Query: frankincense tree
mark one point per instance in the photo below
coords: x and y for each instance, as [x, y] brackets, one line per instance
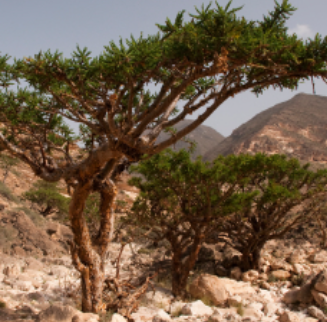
[183, 202]
[196, 65]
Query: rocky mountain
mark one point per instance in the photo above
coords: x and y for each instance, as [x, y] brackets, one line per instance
[297, 127]
[204, 136]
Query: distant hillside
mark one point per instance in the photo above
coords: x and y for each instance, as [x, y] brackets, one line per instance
[205, 137]
[297, 127]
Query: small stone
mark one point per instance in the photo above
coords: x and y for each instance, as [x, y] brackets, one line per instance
[236, 273]
[281, 264]
[250, 276]
[265, 285]
[221, 271]
[281, 274]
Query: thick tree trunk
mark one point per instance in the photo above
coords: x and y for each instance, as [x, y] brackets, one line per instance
[89, 257]
[181, 267]
[179, 276]
[250, 258]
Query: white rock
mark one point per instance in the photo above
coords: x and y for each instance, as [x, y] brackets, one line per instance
[256, 306]
[270, 309]
[144, 314]
[235, 300]
[161, 316]
[197, 308]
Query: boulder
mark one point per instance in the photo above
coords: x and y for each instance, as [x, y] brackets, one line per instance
[210, 287]
[250, 276]
[321, 282]
[197, 308]
[218, 290]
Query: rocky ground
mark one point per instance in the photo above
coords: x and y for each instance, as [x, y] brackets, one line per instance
[39, 283]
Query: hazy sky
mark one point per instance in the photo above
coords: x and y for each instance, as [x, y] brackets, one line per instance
[28, 26]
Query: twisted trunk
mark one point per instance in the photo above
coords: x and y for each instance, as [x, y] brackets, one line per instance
[88, 256]
[181, 267]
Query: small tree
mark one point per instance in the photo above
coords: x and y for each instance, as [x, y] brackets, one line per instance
[6, 163]
[182, 202]
[48, 197]
[286, 194]
[197, 63]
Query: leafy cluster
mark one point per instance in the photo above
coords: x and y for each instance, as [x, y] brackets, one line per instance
[47, 195]
[251, 199]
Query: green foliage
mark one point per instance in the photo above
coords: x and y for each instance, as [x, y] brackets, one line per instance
[278, 186]
[253, 54]
[182, 202]
[2, 304]
[47, 195]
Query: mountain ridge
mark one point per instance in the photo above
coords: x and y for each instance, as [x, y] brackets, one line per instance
[297, 127]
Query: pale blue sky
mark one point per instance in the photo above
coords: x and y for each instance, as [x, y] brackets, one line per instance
[29, 26]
